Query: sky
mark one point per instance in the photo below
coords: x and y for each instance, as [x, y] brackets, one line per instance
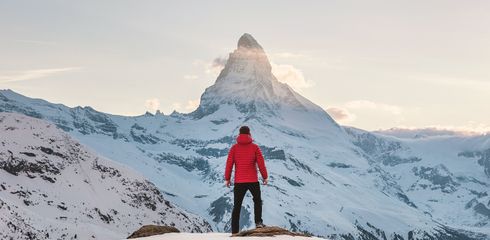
[370, 64]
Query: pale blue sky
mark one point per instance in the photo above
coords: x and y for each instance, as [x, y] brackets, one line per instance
[376, 64]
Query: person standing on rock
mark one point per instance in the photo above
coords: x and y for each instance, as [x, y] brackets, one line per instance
[245, 156]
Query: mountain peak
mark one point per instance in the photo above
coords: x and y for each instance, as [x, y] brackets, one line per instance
[247, 82]
[247, 41]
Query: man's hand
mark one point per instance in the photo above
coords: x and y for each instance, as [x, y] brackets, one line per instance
[265, 181]
[227, 183]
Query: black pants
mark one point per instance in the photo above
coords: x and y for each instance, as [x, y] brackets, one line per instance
[239, 192]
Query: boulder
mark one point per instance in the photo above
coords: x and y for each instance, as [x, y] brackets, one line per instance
[150, 230]
[268, 232]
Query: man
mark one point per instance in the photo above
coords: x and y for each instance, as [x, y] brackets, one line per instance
[245, 156]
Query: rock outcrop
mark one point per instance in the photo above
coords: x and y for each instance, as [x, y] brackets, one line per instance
[150, 230]
[269, 231]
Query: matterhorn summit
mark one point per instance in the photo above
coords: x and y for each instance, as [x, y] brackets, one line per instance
[247, 83]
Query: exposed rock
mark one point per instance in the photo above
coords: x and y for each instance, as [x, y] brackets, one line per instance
[268, 232]
[150, 230]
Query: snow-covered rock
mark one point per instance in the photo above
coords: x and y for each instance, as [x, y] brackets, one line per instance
[324, 179]
[52, 187]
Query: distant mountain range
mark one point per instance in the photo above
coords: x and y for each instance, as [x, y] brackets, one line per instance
[325, 179]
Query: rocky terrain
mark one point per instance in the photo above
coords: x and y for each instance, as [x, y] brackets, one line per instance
[52, 187]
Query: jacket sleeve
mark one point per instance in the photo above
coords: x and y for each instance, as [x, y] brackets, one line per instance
[229, 163]
[261, 163]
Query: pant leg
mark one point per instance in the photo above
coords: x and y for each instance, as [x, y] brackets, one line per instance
[255, 190]
[239, 191]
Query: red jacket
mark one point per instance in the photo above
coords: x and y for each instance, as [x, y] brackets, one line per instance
[245, 155]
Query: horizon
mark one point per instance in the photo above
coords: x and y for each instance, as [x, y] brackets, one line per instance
[130, 67]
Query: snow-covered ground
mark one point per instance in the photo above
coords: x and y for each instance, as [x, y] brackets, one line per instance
[220, 236]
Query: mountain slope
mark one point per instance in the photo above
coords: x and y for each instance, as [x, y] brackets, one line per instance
[441, 175]
[51, 187]
[322, 180]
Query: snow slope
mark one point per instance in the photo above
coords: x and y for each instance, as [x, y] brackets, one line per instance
[324, 179]
[219, 236]
[52, 187]
[445, 176]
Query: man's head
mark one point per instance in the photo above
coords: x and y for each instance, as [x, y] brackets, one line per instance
[244, 130]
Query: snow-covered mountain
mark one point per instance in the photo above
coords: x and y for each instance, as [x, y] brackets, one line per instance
[445, 176]
[325, 179]
[52, 187]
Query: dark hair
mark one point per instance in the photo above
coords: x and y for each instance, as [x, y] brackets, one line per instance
[245, 130]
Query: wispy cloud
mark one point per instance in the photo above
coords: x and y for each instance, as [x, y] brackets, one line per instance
[352, 111]
[341, 115]
[284, 72]
[290, 75]
[15, 76]
[216, 65]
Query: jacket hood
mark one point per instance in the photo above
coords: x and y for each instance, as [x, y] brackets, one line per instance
[244, 139]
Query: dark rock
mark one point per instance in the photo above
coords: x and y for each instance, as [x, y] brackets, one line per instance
[481, 209]
[28, 154]
[52, 152]
[392, 160]
[247, 41]
[220, 121]
[151, 230]
[484, 158]
[373, 145]
[339, 165]
[62, 207]
[139, 134]
[104, 217]
[212, 152]
[439, 176]
[219, 207]
[188, 163]
[268, 232]
[293, 182]
[273, 153]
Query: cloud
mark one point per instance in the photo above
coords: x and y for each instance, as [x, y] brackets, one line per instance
[152, 104]
[191, 77]
[216, 65]
[290, 75]
[15, 76]
[187, 107]
[341, 115]
[365, 104]
[283, 72]
[471, 128]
